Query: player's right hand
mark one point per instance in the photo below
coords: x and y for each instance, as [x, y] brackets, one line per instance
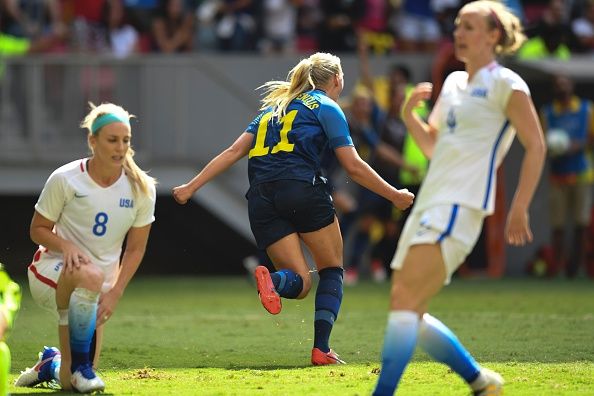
[182, 193]
[403, 199]
[422, 91]
[74, 258]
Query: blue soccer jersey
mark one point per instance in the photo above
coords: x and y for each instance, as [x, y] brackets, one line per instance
[291, 147]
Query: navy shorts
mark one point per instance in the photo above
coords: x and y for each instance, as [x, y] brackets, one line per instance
[283, 207]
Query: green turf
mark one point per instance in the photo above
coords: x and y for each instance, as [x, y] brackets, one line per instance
[210, 336]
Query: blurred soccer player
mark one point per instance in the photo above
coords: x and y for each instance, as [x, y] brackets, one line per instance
[85, 211]
[288, 200]
[10, 299]
[467, 136]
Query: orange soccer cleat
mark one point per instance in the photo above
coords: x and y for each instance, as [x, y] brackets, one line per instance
[319, 358]
[268, 295]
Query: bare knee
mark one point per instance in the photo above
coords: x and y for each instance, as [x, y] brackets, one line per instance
[87, 276]
[306, 277]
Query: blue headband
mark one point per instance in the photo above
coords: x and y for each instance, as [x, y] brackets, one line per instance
[107, 119]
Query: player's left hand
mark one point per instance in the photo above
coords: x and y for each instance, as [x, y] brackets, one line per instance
[182, 193]
[517, 228]
[107, 305]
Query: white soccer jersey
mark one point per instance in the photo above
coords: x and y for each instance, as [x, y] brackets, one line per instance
[95, 218]
[473, 138]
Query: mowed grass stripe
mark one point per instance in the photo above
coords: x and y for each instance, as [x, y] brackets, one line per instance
[210, 336]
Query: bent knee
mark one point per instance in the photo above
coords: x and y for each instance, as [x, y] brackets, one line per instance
[89, 277]
[306, 286]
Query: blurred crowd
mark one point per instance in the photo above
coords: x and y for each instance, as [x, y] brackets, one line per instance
[124, 27]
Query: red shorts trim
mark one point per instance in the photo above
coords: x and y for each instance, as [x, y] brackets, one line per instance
[42, 278]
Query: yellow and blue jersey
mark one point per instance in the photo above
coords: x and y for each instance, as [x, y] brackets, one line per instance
[291, 147]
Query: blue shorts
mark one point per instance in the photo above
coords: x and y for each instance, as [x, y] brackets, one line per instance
[283, 207]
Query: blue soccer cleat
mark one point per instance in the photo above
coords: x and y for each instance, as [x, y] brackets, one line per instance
[84, 379]
[41, 371]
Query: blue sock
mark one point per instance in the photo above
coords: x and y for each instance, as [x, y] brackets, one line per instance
[287, 283]
[399, 345]
[328, 300]
[82, 316]
[443, 345]
[50, 370]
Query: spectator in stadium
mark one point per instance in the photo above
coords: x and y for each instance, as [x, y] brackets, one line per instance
[279, 26]
[309, 17]
[236, 25]
[365, 121]
[38, 21]
[288, 200]
[83, 214]
[123, 39]
[10, 299]
[336, 33]
[466, 138]
[583, 27]
[551, 36]
[88, 30]
[416, 26]
[570, 172]
[173, 28]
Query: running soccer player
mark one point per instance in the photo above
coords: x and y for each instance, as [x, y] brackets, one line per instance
[288, 199]
[467, 136]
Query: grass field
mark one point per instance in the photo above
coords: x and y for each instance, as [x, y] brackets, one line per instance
[210, 336]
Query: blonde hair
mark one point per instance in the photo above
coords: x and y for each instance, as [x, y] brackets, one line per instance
[137, 177]
[500, 17]
[310, 73]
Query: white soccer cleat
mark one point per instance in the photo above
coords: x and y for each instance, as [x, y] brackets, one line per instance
[492, 383]
[40, 372]
[84, 380]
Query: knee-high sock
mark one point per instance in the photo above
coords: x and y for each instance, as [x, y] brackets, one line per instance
[4, 367]
[443, 345]
[328, 300]
[82, 315]
[288, 284]
[399, 345]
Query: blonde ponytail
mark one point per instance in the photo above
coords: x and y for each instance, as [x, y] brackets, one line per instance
[310, 73]
[138, 178]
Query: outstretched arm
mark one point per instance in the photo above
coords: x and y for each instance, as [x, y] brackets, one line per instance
[363, 174]
[522, 115]
[216, 166]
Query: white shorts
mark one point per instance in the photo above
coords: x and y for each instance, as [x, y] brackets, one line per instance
[44, 273]
[455, 228]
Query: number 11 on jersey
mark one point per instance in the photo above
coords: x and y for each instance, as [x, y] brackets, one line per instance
[283, 145]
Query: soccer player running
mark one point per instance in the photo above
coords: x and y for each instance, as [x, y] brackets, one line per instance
[288, 200]
[466, 137]
[10, 300]
[85, 211]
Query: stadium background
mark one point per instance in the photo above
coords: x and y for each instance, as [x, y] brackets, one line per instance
[188, 108]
